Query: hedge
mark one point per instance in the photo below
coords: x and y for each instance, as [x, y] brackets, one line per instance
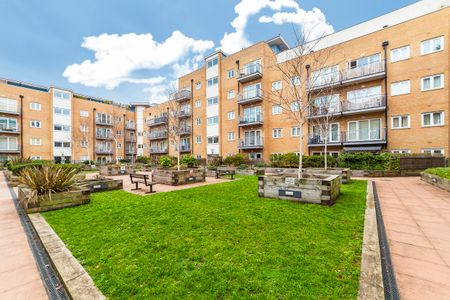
[291, 160]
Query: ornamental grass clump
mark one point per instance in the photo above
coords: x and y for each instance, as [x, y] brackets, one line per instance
[48, 179]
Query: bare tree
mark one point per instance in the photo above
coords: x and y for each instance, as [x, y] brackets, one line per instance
[117, 130]
[174, 127]
[82, 133]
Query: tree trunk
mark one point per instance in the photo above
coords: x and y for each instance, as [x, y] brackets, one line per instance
[300, 162]
[178, 158]
[326, 153]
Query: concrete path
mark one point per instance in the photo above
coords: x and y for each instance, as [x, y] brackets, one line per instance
[19, 276]
[417, 219]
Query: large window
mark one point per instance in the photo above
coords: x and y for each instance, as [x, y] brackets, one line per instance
[61, 95]
[213, 101]
[325, 76]
[253, 138]
[333, 133]
[327, 104]
[251, 91]
[61, 111]
[366, 60]
[213, 139]
[432, 45]
[213, 81]
[400, 88]
[252, 114]
[213, 120]
[400, 122]
[104, 118]
[364, 130]
[59, 127]
[9, 105]
[432, 82]
[400, 53]
[432, 119]
[277, 133]
[212, 62]
[8, 124]
[276, 110]
[9, 143]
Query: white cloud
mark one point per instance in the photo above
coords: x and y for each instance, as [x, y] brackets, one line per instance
[313, 21]
[118, 56]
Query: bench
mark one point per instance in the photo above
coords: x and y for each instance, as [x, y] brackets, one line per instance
[222, 172]
[142, 178]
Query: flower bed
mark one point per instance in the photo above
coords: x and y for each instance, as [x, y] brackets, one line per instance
[320, 189]
[175, 177]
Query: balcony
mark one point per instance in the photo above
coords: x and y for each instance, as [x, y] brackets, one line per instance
[9, 129]
[185, 148]
[251, 120]
[372, 103]
[103, 122]
[317, 140]
[130, 127]
[159, 150]
[251, 143]
[157, 121]
[130, 151]
[184, 113]
[10, 110]
[322, 111]
[324, 81]
[104, 151]
[10, 149]
[369, 72]
[103, 137]
[130, 138]
[185, 130]
[181, 95]
[373, 137]
[250, 96]
[158, 135]
[249, 73]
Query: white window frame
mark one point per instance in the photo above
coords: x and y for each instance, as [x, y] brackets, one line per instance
[212, 121]
[400, 151]
[277, 85]
[432, 119]
[231, 136]
[295, 81]
[400, 122]
[84, 143]
[84, 113]
[432, 40]
[431, 78]
[396, 54]
[277, 109]
[400, 88]
[212, 101]
[35, 124]
[213, 81]
[277, 133]
[432, 151]
[35, 141]
[198, 139]
[198, 121]
[213, 140]
[231, 115]
[230, 73]
[295, 131]
[198, 103]
[230, 94]
[84, 128]
[35, 106]
[198, 85]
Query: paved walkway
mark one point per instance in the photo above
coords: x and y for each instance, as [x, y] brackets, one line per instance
[19, 276]
[417, 219]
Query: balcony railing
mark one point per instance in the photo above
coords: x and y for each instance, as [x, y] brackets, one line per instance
[184, 113]
[181, 95]
[185, 130]
[366, 71]
[250, 72]
[157, 121]
[100, 150]
[159, 150]
[319, 111]
[130, 138]
[130, 151]
[9, 109]
[103, 122]
[103, 137]
[10, 149]
[368, 103]
[323, 81]
[320, 140]
[251, 143]
[185, 148]
[365, 137]
[155, 135]
[9, 129]
[130, 127]
[250, 96]
[251, 120]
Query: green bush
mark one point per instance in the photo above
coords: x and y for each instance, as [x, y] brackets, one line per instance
[242, 167]
[89, 162]
[125, 160]
[369, 161]
[215, 161]
[291, 160]
[17, 168]
[165, 162]
[318, 161]
[143, 159]
[441, 172]
[236, 160]
[189, 160]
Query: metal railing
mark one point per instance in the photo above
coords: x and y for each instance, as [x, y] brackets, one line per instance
[255, 93]
[364, 70]
[185, 148]
[130, 138]
[377, 135]
[184, 113]
[316, 111]
[103, 136]
[158, 135]
[185, 129]
[159, 150]
[251, 143]
[100, 121]
[250, 69]
[181, 95]
[363, 103]
[244, 120]
[157, 121]
[9, 128]
[100, 150]
[320, 140]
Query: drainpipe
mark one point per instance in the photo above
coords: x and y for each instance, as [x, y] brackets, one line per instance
[307, 99]
[21, 126]
[386, 122]
[124, 139]
[94, 139]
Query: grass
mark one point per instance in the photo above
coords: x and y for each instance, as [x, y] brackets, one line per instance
[441, 172]
[219, 241]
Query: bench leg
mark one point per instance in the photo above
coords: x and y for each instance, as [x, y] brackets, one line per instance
[136, 188]
[232, 176]
[151, 190]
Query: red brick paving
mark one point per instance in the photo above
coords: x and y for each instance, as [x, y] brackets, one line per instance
[417, 220]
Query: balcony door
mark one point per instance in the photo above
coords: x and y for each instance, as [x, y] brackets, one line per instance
[333, 133]
[8, 124]
[252, 138]
[252, 114]
[327, 104]
[9, 143]
[362, 98]
[251, 91]
[368, 130]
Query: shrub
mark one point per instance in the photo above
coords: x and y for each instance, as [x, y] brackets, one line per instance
[88, 162]
[369, 161]
[17, 168]
[318, 161]
[48, 179]
[125, 160]
[215, 161]
[189, 160]
[242, 167]
[236, 160]
[165, 162]
[143, 159]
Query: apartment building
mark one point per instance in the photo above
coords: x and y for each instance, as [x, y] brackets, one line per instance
[57, 124]
[388, 84]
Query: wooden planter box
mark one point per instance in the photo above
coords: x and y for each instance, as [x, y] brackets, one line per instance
[113, 170]
[57, 200]
[103, 184]
[320, 189]
[344, 173]
[211, 173]
[174, 177]
[440, 182]
[13, 180]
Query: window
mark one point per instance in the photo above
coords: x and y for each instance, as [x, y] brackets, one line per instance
[104, 118]
[400, 53]
[198, 139]
[366, 130]
[84, 128]
[61, 95]
[119, 132]
[213, 120]
[36, 157]
[432, 45]
[276, 85]
[9, 105]
[118, 119]
[61, 111]
[401, 151]
[230, 73]
[35, 141]
[276, 110]
[35, 124]
[9, 143]
[84, 113]
[198, 85]
[295, 106]
[295, 80]
[231, 136]
[212, 62]
[432, 82]
[59, 127]
[231, 115]
[255, 156]
[213, 101]
[213, 81]
[295, 131]
[198, 121]
[35, 106]
[364, 61]
[277, 133]
[399, 122]
[62, 144]
[434, 151]
[119, 145]
[8, 124]
[84, 144]
[213, 139]
[230, 94]
[198, 103]
[325, 76]
[432, 119]
[400, 88]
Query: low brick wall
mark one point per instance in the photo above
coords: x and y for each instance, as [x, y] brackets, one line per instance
[440, 182]
[320, 189]
[100, 185]
[56, 201]
[175, 177]
[116, 170]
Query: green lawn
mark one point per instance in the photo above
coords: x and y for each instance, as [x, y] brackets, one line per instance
[441, 172]
[217, 242]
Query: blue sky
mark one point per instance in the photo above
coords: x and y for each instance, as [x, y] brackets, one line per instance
[41, 39]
